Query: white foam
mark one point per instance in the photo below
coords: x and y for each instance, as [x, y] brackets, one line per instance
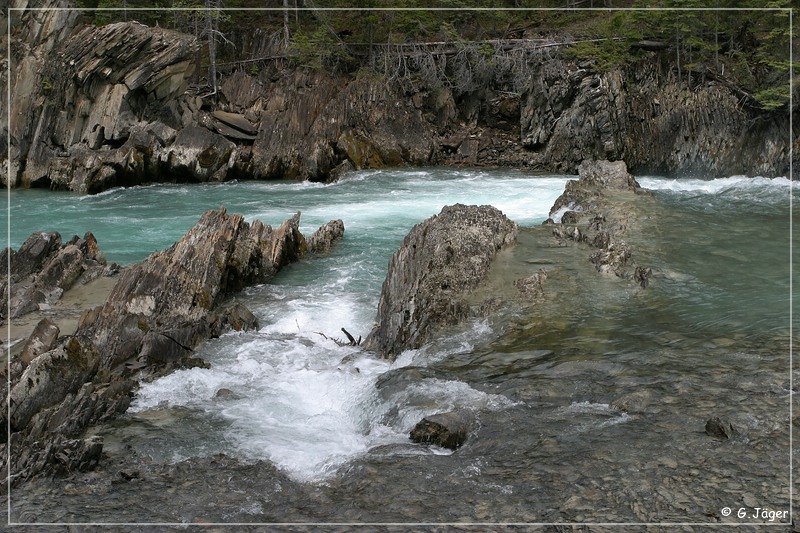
[299, 405]
[715, 185]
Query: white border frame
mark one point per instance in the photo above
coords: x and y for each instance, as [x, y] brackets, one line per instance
[10, 10]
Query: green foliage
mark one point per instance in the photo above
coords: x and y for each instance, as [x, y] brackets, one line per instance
[319, 50]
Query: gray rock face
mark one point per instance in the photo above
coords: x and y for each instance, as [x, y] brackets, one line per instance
[85, 96]
[440, 262]
[448, 430]
[101, 107]
[43, 269]
[323, 240]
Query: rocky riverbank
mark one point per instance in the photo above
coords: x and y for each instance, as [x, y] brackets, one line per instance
[155, 315]
[88, 116]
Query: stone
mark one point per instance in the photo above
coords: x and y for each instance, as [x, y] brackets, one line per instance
[50, 377]
[448, 430]
[533, 285]
[237, 121]
[440, 263]
[323, 240]
[720, 428]
[42, 340]
[225, 395]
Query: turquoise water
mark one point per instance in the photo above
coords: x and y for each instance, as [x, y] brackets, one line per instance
[709, 337]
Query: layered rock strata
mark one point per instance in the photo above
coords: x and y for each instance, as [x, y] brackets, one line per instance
[98, 107]
[154, 318]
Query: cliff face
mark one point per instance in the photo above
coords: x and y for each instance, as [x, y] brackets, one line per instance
[94, 108]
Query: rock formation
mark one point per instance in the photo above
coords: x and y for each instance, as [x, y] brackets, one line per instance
[155, 316]
[598, 210]
[323, 240]
[98, 107]
[448, 430]
[441, 261]
[43, 269]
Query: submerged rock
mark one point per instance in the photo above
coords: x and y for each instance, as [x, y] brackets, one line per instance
[441, 261]
[448, 430]
[720, 428]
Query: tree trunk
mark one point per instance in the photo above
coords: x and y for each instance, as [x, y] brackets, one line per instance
[212, 48]
[286, 22]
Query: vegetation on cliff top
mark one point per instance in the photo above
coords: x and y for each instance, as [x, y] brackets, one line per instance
[747, 50]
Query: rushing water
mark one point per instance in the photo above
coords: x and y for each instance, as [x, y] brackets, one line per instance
[713, 326]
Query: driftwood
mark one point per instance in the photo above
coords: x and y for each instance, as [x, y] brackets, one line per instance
[351, 341]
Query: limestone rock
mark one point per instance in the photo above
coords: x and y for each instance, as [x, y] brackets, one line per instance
[441, 261]
[323, 240]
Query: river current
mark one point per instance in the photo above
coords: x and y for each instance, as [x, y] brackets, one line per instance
[710, 337]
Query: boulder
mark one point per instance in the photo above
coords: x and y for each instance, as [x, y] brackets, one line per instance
[441, 261]
[323, 240]
[448, 430]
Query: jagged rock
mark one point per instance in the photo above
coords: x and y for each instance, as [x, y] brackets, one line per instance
[596, 195]
[162, 307]
[720, 428]
[89, 94]
[323, 240]
[448, 430]
[596, 178]
[42, 270]
[42, 340]
[50, 377]
[154, 317]
[441, 261]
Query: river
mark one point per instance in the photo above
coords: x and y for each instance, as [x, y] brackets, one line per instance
[709, 337]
